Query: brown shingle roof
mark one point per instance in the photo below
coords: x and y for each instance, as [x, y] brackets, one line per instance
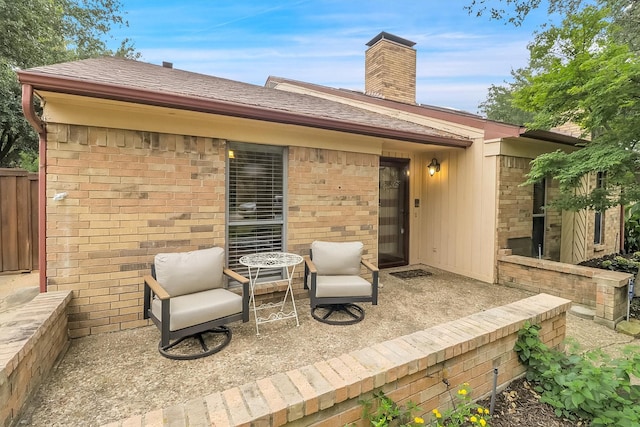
[134, 81]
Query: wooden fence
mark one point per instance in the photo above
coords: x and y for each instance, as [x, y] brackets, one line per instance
[18, 220]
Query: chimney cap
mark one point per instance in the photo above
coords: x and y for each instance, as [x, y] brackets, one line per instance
[390, 37]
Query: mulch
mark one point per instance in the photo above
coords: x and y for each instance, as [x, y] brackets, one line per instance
[519, 406]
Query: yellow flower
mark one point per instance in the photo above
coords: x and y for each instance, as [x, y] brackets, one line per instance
[462, 392]
[473, 419]
[480, 410]
[483, 422]
[486, 411]
[418, 420]
[437, 413]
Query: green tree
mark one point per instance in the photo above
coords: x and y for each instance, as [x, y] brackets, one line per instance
[516, 11]
[499, 105]
[15, 131]
[41, 32]
[581, 72]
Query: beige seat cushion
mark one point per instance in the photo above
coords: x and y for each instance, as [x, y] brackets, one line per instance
[184, 273]
[201, 307]
[342, 286]
[337, 258]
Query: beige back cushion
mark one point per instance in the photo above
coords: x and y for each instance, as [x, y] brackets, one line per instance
[331, 258]
[185, 273]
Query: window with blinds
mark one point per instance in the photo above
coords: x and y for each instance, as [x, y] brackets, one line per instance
[255, 201]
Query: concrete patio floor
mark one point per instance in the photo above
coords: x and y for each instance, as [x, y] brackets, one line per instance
[108, 377]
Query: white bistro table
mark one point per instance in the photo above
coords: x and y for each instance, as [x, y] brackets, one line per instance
[271, 260]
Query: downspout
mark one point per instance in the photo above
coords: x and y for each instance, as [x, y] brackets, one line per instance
[39, 126]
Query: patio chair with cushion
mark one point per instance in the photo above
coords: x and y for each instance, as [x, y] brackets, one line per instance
[333, 277]
[186, 296]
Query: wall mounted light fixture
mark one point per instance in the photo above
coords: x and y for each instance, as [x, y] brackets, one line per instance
[433, 167]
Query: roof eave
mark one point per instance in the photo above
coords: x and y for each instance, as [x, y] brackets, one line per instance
[71, 86]
[546, 135]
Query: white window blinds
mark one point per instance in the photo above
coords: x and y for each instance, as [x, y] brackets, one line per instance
[255, 201]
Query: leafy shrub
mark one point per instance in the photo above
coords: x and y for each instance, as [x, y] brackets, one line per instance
[625, 265]
[592, 386]
[632, 228]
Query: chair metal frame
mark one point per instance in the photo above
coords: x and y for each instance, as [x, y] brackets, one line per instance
[168, 338]
[344, 304]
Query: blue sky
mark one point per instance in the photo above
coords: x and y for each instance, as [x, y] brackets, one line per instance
[323, 42]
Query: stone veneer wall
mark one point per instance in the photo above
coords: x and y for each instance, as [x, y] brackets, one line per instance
[408, 368]
[30, 345]
[131, 195]
[604, 290]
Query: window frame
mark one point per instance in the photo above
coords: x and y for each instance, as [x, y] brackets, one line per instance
[255, 228]
[536, 213]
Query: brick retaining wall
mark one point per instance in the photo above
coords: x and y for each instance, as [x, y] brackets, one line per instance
[29, 348]
[408, 368]
[604, 290]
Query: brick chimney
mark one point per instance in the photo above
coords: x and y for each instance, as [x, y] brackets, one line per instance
[390, 68]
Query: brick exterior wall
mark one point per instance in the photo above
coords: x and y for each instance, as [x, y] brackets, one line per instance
[408, 368]
[134, 194]
[553, 224]
[390, 71]
[611, 236]
[515, 203]
[333, 196]
[515, 207]
[29, 349]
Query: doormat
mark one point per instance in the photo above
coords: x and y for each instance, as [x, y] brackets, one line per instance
[410, 274]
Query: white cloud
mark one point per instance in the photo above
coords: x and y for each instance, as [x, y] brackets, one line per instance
[323, 42]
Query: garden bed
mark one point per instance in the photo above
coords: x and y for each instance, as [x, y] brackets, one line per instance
[519, 406]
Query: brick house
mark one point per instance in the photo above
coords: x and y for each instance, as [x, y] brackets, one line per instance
[138, 159]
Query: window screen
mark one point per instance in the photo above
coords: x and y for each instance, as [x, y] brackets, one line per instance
[255, 200]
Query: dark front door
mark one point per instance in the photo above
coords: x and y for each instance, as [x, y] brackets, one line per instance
[393, 225]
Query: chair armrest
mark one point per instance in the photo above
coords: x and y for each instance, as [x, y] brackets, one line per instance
[375, 272]
[235, 276]
[369, 266]
[157, 289]
[310, 265]
[245, 291]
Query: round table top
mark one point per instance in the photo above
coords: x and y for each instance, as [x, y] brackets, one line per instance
[270, 260]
